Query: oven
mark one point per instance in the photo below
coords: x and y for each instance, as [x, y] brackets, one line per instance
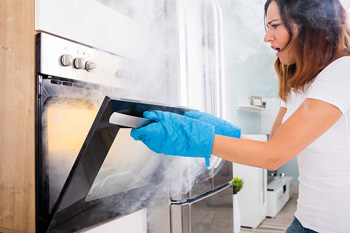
[88, 169]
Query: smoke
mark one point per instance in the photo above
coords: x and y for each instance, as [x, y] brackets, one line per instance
[245, 29]
[346, 5]
[129, 165]
[148, 72]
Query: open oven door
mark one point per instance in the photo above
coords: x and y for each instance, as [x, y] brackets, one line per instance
[87, 197]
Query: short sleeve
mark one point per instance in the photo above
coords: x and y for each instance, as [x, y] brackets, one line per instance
[332, 85]
[283, 104]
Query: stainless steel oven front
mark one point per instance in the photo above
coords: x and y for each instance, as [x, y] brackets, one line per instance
[88, 168]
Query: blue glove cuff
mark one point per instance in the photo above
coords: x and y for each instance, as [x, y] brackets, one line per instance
[210, 146]
[222, 127]
[207, 162]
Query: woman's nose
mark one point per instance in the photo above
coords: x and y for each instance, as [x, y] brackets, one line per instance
[268, 37]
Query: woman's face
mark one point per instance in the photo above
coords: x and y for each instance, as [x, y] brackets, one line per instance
[277, 35]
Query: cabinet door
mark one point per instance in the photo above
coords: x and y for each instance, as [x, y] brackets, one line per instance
[135, 222]
[17, 53]
[253, 197]
[92, 23]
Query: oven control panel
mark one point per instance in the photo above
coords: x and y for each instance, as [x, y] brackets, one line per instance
[78, 63]
[67, 59]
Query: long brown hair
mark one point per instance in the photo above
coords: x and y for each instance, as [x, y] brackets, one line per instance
[323, 35]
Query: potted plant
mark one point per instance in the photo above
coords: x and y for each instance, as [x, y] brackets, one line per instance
[237, 184]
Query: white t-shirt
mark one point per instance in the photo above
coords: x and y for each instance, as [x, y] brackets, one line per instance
[324, 166]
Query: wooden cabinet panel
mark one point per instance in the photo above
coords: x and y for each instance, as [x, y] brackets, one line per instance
[17, 156]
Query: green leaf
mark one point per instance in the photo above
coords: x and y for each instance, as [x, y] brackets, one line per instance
[237, 183]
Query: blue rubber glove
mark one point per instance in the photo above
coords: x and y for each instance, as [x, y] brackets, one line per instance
[173, 134]
[222, 127]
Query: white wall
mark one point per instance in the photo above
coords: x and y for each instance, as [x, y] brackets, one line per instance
[249, 59]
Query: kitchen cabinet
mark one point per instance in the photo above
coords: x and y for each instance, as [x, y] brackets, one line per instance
[17, 170]
[252, 199]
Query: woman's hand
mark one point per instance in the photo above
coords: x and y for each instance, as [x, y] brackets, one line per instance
[173, 134]
[222, 127]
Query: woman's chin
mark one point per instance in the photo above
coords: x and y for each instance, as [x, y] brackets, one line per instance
[286, 62]
[285, 59]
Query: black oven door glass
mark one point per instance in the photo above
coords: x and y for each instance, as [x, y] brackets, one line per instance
[108, 177]
[66, 122]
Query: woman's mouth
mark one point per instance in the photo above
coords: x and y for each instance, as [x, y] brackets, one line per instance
[276, 48]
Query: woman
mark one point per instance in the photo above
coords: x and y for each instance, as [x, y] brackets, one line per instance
[313, 65]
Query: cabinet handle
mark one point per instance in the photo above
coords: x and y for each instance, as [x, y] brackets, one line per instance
[218, 87]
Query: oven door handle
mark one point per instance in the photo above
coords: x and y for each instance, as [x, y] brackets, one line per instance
[127, 121]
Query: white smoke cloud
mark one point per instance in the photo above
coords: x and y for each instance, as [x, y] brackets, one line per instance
[130, 164]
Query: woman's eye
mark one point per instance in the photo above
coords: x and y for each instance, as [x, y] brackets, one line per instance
[275, 25]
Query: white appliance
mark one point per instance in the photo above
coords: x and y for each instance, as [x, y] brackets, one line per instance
[278, 194]
[202, 58]
[252, 198]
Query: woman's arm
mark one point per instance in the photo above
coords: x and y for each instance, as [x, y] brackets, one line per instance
[309, 121]
[276, 124]
[278, 121]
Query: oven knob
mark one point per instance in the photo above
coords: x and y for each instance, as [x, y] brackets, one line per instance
[90, 66]
[66, 60]
[79, 63]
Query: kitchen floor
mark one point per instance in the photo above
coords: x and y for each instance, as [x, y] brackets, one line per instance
[280, 223]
